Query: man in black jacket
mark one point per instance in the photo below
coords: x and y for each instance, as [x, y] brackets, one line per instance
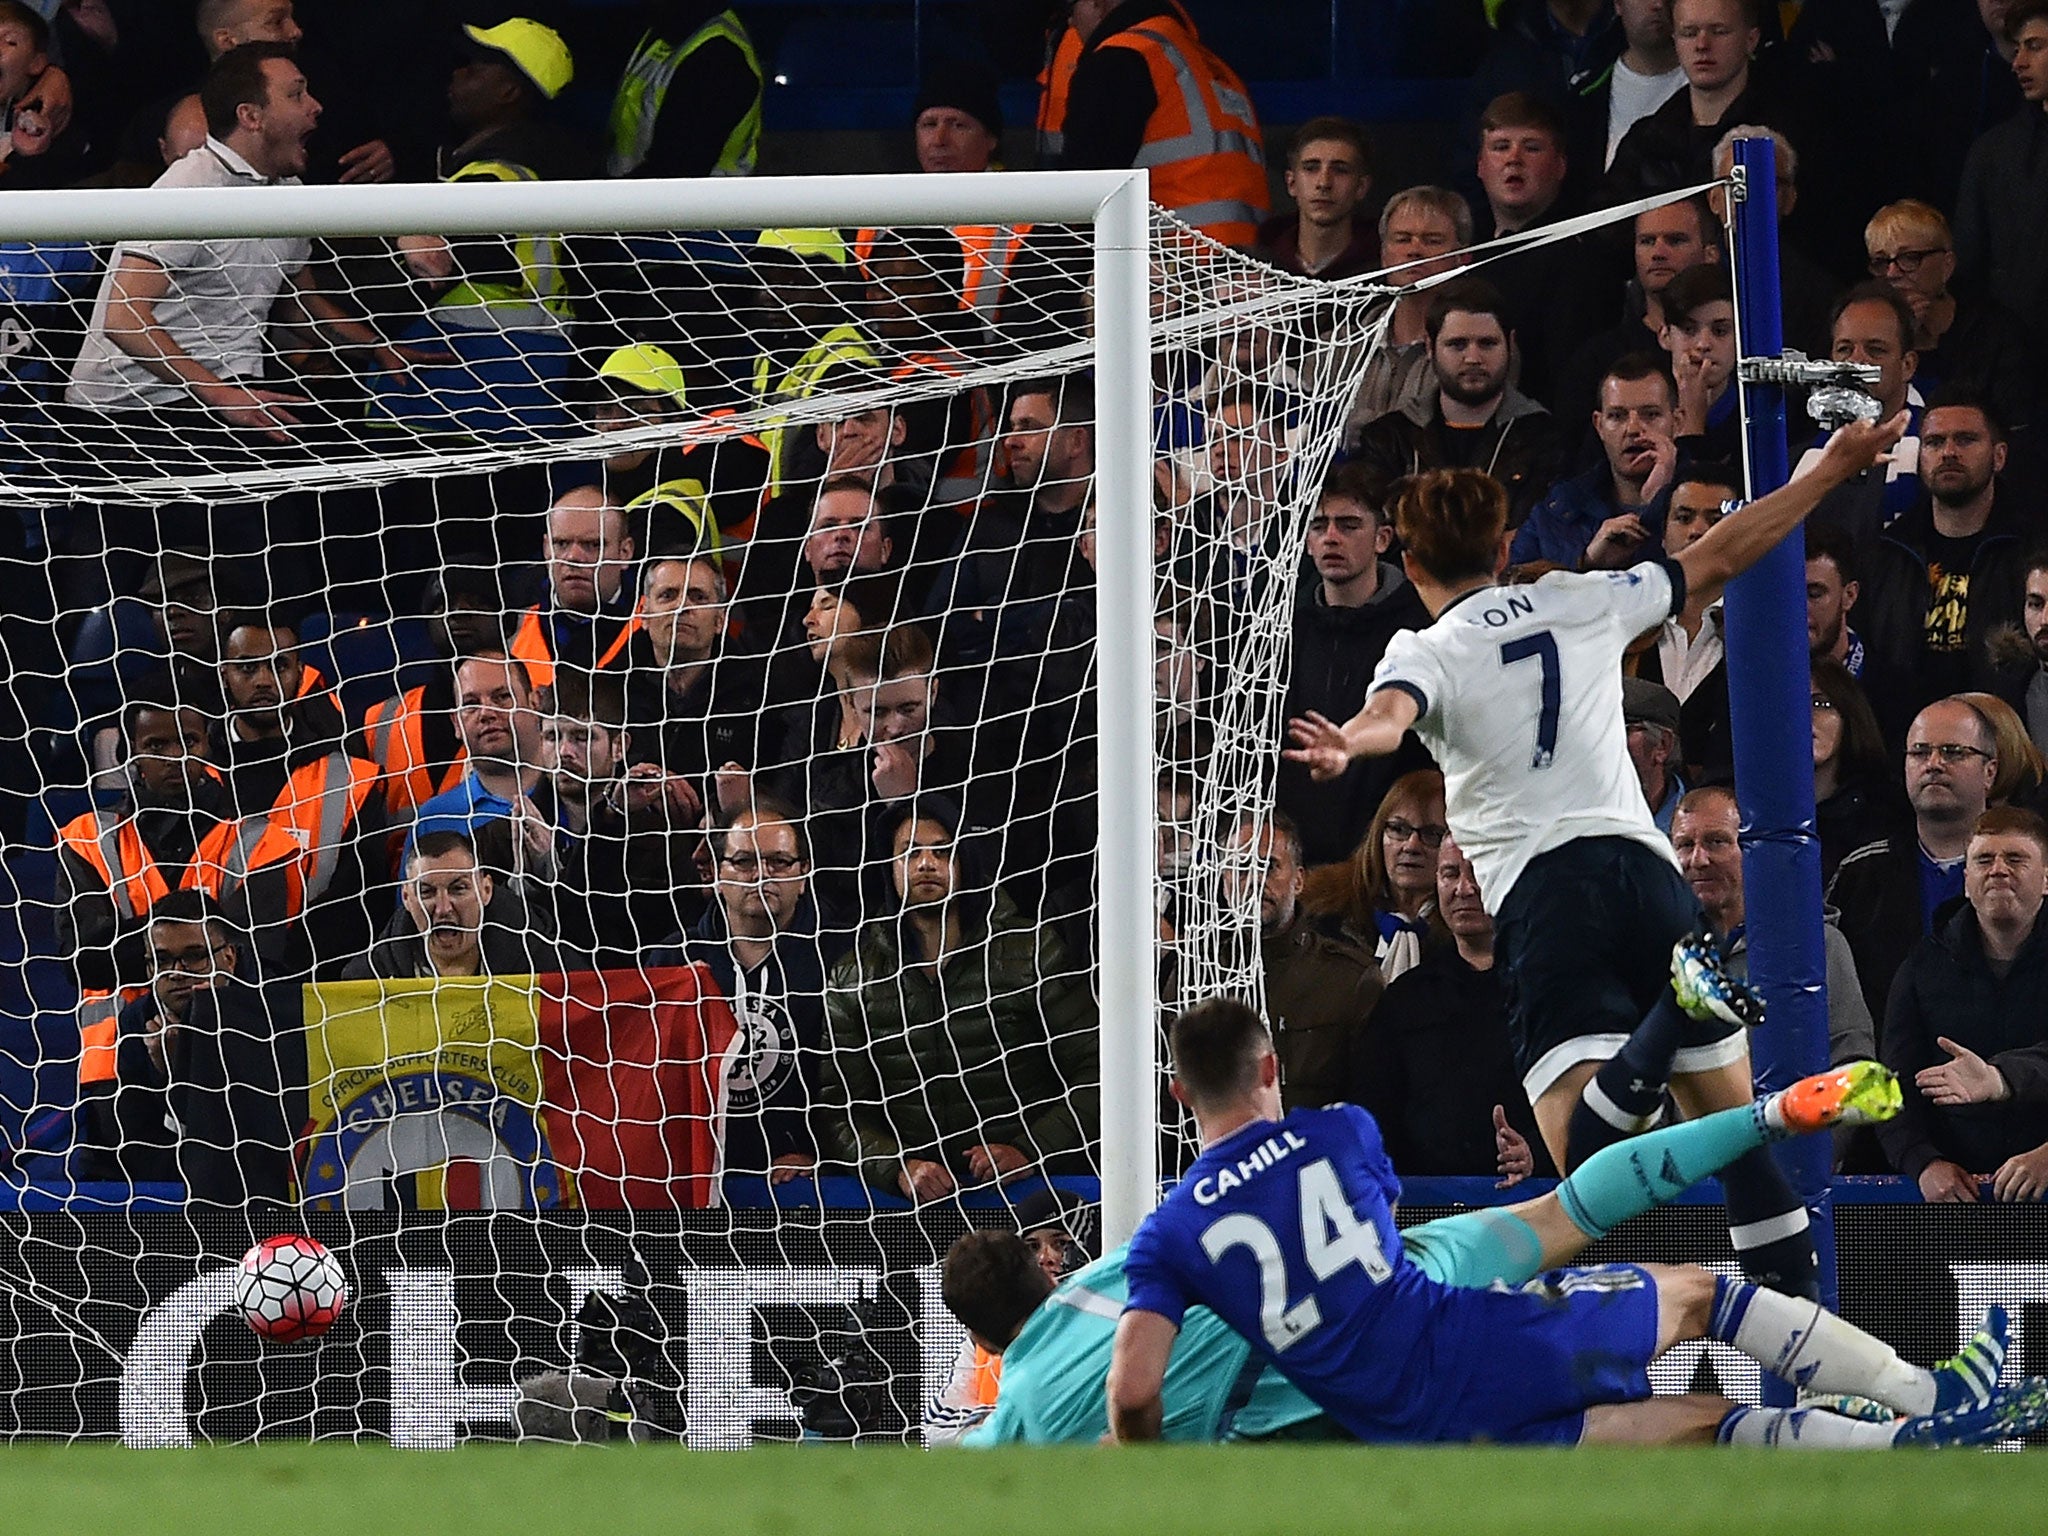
[196, 1096]
[759, 939]
[1344, 615]
[1968, 1026]
[1947, 574]
[1437, 1067]
[1890, 893]
[1474, 419]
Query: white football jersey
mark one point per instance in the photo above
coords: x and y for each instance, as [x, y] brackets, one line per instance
[1520, 693]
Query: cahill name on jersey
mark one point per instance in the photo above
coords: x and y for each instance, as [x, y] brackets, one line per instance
[1519, 690]
[1287, 1233]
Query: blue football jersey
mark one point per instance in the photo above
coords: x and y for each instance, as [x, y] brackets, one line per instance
[1286, 1231]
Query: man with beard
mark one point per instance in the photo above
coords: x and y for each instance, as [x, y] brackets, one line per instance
[759, 940]
[113, 864]
[1832, 592]
[1609, 515]
[2033, 696]
[1947, 574]
[1475, 419]
[1320, 990]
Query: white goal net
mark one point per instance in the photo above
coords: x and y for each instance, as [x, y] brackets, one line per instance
[588, 772]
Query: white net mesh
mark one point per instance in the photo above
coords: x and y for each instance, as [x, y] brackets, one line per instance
[565, 767]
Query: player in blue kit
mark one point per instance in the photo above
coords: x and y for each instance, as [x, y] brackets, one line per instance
[1284, 1228]
[1516, 691]
[1054, 1339]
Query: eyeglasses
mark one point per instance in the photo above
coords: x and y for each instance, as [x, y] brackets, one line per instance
[753, 864]
[1947, 751]
[194, 961]
[1399, 831]
[1907, 262]
[1822, 701]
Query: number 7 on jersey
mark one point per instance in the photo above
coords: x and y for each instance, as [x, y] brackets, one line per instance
[1543, 647]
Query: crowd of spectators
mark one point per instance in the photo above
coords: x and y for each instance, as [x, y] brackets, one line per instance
[814, 706]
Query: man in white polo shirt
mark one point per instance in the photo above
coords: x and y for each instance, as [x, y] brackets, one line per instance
[181, 323]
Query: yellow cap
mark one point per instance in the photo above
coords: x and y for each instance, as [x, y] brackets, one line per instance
[647, 369]
[537, 52]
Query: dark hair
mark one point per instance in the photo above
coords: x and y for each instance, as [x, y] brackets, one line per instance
[1450, 522]
[1876, 291]
[236, 80]
[1830, 542]
[2013, 820]
[1072, 396]
[594, 699]
[1328, 127]
[1703, 215]
[1694, 289]
[1216, 1047]
[1355, 482]
[992, 1282]
[438, 845]
[2019, 13]
[155, 693]
[1521, 109]
[27, 16]
[1634, 367]
[515, 664]
[875, 596]
[1863, 753]
[2037, 560]
[1467, 296]
[1960, 397]
[1717, 472]
[193, 906]
[1255, 398]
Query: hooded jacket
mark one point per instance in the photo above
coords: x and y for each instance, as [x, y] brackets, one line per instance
[1518, 446]
[1336, 652]
[772, 1087]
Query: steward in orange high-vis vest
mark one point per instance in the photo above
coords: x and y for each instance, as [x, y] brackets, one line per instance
[411, 738]
[1147, 93]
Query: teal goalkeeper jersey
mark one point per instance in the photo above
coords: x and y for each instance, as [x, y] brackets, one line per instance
[1055, 1374]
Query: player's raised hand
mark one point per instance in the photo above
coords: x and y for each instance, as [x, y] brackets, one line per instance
[1320, 745]
[1965, 1078]
[1858, 445]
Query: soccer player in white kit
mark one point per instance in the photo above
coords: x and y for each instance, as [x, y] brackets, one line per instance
[1516, 690]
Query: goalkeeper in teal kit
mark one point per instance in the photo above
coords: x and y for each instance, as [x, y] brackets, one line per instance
[1284, 1229]
[1056, 1347]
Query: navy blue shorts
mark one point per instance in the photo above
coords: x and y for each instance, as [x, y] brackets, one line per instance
[1583, 941]
[1549, 1350]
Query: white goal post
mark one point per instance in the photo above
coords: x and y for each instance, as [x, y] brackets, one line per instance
[1114, 203]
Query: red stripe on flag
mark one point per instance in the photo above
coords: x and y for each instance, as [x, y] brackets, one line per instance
[632, 1076]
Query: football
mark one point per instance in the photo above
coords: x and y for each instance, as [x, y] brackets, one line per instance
[290, 1288]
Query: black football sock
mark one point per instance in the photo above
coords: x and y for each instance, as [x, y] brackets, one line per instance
[1624, 1094]
[1767, 1225]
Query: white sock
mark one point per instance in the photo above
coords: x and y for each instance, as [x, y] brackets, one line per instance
[1803, 1343]
[1803, 1429]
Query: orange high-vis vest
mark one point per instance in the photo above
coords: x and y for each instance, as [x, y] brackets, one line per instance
[1053, 83]
[1202, 143]
[395, 731]
[303, 830]
[530, 645]
[111, 846]
[986, 251]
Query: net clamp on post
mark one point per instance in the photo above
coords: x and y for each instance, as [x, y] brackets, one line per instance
[1838, 393]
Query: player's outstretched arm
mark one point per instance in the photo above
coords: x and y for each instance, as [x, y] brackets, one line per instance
[1326, 748]
[1137, 1373]
[1736, 543]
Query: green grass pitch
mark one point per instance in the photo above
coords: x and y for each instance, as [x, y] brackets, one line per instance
[310, 1490]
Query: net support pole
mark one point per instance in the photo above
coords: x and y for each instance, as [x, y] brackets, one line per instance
[1769, 702]
[1126, 803]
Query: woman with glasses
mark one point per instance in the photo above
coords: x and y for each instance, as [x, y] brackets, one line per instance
[1857, 801]
[1961, 337]
[1384, 896]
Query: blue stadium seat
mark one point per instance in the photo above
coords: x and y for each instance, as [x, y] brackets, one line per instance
[367, 656]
